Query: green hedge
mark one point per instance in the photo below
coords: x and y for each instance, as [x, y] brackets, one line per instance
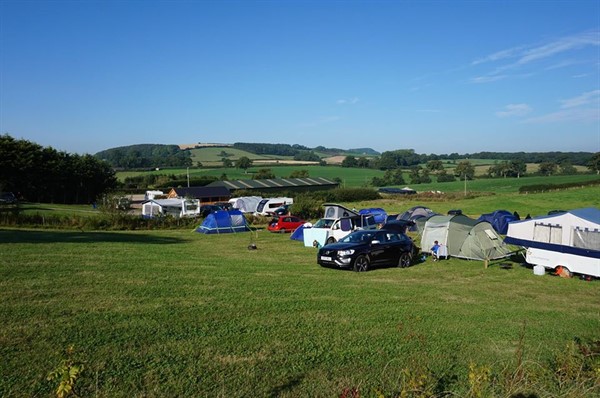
[100, 222]
[555, 187]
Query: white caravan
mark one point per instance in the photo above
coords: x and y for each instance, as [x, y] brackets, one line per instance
[267, 207]
[171, 207]
[568, 239]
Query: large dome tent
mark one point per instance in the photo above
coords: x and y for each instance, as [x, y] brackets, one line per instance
[464, 237]
[224, 222]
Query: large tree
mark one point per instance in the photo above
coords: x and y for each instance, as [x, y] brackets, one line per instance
[464, 169]
[594, 163]
[244, 163]
[46, 175]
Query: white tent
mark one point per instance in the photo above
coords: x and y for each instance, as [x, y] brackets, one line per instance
[570, 239]
[245, 204]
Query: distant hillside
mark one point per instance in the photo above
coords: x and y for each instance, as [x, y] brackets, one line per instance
[365, 151]
[146, 156]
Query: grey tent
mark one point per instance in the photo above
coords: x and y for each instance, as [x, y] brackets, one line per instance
[464, 237]
[417, 214]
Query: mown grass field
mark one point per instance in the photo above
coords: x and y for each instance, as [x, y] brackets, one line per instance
[177, 313]
[214, 155]
[182, 314]
[355, 177]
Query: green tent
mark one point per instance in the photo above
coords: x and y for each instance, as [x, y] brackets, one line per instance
[464, 237]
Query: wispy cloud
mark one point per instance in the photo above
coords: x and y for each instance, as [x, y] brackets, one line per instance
[567, 115]
[500, 55]
[562, 64]
[518, 57]
[583, 108]
[512, 110]
[561, 45]
[583, 99]
[347, 101]
[487, 79]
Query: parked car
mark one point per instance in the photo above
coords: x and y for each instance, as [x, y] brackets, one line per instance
[224, 205]
[7, 198]
[285, 224]
[282, 211]
[362, 250]
[205, 210]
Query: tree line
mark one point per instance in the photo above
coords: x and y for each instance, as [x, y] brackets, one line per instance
[43, 174]
[146, 156]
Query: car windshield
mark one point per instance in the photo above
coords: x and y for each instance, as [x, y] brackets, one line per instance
[324, 223]
[358, 237]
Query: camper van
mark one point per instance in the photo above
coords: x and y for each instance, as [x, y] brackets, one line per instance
[338, 222]
[567, 239]
[267, 207]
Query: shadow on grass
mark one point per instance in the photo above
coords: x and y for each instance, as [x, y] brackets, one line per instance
[19, 236]
[287, 387]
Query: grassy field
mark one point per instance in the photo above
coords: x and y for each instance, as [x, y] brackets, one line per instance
[182, 314]
[213, 155]
[177, 313]
[534, 204]
[353, 177]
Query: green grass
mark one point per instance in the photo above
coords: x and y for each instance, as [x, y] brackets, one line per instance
[213, 155]
[355, 177]
[350, 176]
[502, 184]
[537, 204]
[176, 313]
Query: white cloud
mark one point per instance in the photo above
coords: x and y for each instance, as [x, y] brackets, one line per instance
[518, 57]
[509, 53]
[567, 115]
[561, 45]
[511, 110]
[488, 79]
[347, 101]
[583, 99]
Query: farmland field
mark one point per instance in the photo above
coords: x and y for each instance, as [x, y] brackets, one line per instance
[177, 313]
[355, 177]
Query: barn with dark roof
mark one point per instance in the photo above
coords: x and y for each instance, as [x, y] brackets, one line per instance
[278, 184]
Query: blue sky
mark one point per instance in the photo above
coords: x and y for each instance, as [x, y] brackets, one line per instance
[433, 76]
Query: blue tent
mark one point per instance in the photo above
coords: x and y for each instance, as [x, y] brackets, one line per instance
[298, 234]
[499, 220]
[224, 222]
[378, 214]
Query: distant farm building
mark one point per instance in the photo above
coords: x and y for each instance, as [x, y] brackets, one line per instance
[278, 184]
[206, 195]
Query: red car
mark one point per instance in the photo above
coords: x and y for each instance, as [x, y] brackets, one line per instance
[285, 224]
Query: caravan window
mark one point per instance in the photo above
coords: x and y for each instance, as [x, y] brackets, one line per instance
[547, 233]
[586, 238]
[261, 205]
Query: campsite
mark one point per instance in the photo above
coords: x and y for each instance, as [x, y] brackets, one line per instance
[176, 312]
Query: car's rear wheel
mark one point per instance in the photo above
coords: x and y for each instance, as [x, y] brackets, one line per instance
[404, 260]
[361, 264]
[330, 240]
